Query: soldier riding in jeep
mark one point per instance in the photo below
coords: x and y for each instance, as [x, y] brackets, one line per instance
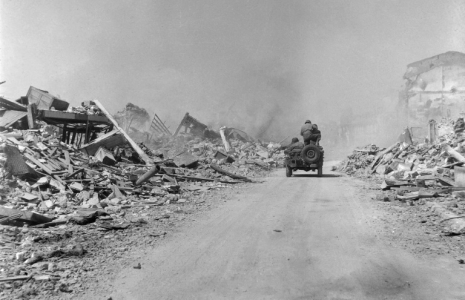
[307, 156]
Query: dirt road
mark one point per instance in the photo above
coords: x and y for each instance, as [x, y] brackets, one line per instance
[289, 238]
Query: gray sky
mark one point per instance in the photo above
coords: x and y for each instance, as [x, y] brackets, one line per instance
[271, 64]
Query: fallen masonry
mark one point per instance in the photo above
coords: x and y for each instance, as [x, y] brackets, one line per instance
[428, 173]
[73, 175]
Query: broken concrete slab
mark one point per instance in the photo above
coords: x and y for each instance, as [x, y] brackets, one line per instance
[57, 184]
[109, 140]
[15, 163]
[117, 192]
[12, 118]
[44, 100]
[388, 183]
[115, 201]
[105, 156]
[41, 146]
[186, 160]
[427, 194]
[445, 181]
[83, 219]
[24, 216]
[169, 179]
[76, 186]
[93, 202]
[221, 155]
[458, 194]
[28, 197]
[12, 105]
[454, 153]
[114, 226]
[409, 196]
[43, 181]
[263, 154]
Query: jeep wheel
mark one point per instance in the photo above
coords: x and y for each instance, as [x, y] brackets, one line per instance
[288, 171]
[311, 154]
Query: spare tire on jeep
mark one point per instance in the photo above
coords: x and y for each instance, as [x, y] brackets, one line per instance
[311, 154]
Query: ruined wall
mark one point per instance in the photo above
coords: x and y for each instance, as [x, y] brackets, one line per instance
[435, 89]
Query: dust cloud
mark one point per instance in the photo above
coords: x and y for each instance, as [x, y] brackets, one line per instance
[261, 66]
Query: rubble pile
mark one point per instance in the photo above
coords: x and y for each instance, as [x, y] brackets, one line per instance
[86, 108]
[428, 173]
[67, 187]
[243, 157]
[360, 159]
[405, 160]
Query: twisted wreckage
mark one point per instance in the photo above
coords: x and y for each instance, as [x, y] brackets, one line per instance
[67, 167]
[429, 173]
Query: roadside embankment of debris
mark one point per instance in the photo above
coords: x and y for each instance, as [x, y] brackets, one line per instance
[67, 190]
[429, 173]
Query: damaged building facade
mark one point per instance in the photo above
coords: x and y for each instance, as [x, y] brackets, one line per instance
[434, 89]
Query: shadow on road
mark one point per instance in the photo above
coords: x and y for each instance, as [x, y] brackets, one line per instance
[315, 175]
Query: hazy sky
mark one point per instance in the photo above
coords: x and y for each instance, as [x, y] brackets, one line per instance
[270, 64]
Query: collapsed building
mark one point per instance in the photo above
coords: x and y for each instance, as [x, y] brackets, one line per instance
[77, 171]
[87, 127]
[425, 166]
[434, 89]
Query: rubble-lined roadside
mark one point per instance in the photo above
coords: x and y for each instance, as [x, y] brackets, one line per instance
[425, 181]
[72, 188]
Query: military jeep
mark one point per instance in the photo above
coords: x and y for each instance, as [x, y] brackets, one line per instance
[309, 158]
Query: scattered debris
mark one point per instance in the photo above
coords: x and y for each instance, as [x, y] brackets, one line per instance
[73, 176]
[410, 171]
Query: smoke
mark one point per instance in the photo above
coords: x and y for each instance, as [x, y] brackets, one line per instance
[241, 69]
[262, 66]
[265, 95]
